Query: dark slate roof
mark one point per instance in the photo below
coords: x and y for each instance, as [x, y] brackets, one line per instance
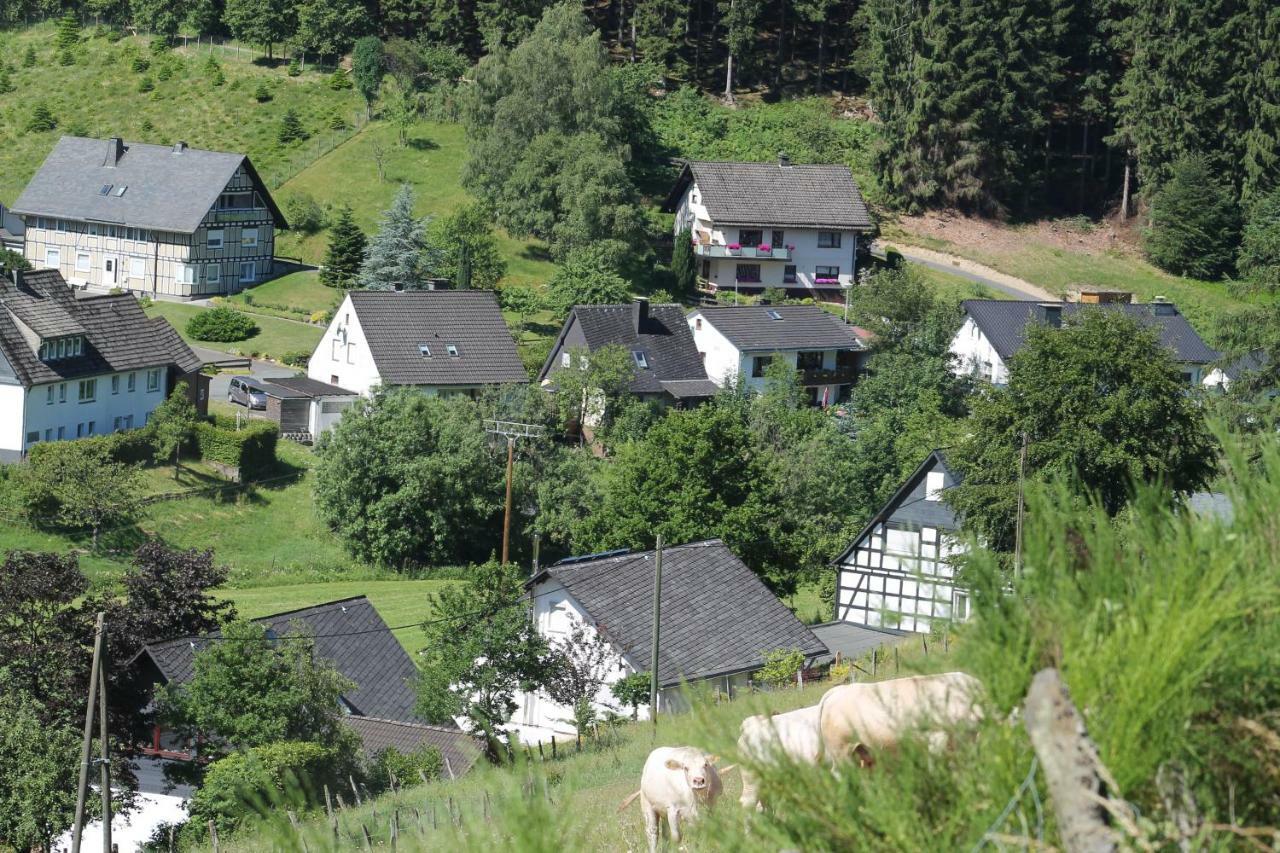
[166, 190]
[395, 323]
[852, 641]
[662, 335]
[1212, 505]
[717, 616]
[348, 632]
[301, 387]
[690, 389]
[769, 194]
[802, 327]
[1251, 362]
[457, 747]
[936, 460]
[119, 336]
[1004, 322]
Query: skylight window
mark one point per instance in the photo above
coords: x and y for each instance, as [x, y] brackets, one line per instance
[641, 361]
[452, 350]
[106, 190]
[424, 350]
[120, 191]
[774, 315]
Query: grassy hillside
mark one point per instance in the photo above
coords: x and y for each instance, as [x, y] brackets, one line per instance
[275, 337]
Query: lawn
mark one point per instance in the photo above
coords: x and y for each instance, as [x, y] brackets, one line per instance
[300, 291]
[276, 336]
[431, 163]
[100, 96]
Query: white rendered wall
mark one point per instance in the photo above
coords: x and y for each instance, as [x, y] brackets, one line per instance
[12, 413]
[975, 356]
[341, 360]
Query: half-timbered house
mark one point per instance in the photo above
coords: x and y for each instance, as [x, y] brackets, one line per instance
[156, 219]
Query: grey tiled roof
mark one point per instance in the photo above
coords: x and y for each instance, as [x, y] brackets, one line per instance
[301, 387]
[685, 389]
[807, 327]
[119, 336]
[395, 323]
[459, 748]
[1250, 362]
[717, 616]
[852, 641]
[166, 190]
[767, 194]
[1004, 322]
[350, 633]
[664, 338]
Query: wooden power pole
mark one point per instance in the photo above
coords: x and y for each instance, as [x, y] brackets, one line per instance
[657, 623]
[512, 431]
[1018, 522]
[98, 694]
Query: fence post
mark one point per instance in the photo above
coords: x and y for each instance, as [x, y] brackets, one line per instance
[553, 747]
[875, 659]
[213, 835]
[896, 664]
[354, 790]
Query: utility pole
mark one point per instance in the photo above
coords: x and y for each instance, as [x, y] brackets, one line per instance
[657, 621]
[1017, 530]
[537, 546]
[86, 746]
[512, 431]
[104, 764]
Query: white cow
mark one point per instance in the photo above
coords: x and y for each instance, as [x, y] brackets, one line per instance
[676, 781]
[858, 719]
[795, 735]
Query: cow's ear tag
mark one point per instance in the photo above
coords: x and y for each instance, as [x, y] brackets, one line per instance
[672, 764]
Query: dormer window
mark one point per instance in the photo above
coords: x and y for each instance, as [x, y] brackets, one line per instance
[424, 350]
[59, 348]
[452, 349]
[120, 190]
[641, 361]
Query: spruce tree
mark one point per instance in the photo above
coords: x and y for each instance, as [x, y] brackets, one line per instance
[683, 263]
[1195, 224]
[399, 257]
[1261, 153]
[345, 254]
[1260, 247]
[68, 32]
[41, 118]
[291, 129]
[740, 19]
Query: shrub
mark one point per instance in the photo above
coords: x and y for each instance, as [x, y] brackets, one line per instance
[145, 84]
[297, 358]
[632, 691]
[291, 129]
[339, 80]
[295, 67]
[140, 64]
[1195, 223]
[164, 71]
[305, 213]
[780, 666]
[221, 324]
[41, 119]
[262, 94]
[407, 767]
[251, 449]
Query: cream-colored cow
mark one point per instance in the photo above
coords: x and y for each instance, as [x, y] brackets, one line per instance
[675, 783]
[794, 735]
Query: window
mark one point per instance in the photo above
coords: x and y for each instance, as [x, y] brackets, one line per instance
[811, 360]
[452, 349]
[640, 360]
[33, 437]
[249, 238]
[91, 427]
[82, 261]
[789, 274]
[48, 435]
[933, 487]
[51, 258]
[750, 237]
[828, 239]
[185, 274]
[60, 224]
[248, 270]
[117, 424]
[115, 384]
[88, 390]
[137, 268]
[749, 273]
[333, 379]
[773, 314]
[120, 191]
[80, 430]
[351, 353]
[697, 324]
[62, 392]
[106, 190]
[93, 229]
[759, 363]
[133, 381]
[832, 273]
[214, 239]
[153, 379]
[236, 201]
[960, 606]
[213, 273]
[424, 350]
[62, 433]
[48, 395]
[779, 238]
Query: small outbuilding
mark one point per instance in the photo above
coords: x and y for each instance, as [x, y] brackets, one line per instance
[304, 408]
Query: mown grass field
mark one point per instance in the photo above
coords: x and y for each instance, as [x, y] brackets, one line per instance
[276, 335]
[300, 290]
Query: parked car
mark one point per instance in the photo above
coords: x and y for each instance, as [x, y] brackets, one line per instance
[247, 393]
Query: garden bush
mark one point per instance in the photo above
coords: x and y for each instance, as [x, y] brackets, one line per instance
[405, 766]
[221, 324]
[305, 213]
[297, 358]
[780, 667]
[251, 449]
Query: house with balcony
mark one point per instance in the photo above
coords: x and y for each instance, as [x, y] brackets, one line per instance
[156, 219]
[75, 367]
[759, 225]
[995, 329]
[739, 342]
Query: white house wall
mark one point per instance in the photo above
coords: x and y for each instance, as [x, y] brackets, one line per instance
[27, 417]
[975, 356]
[898, 577]
[719, 356]
[342, 357]
[12, 413]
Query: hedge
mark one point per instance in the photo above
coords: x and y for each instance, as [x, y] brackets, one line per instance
[251, 449]
[130, 446]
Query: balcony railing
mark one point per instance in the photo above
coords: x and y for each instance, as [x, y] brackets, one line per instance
[747, 253]
[243, 215]
[828, 375]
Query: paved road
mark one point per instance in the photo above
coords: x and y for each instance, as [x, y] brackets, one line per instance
[1003, 284]
[219, 384]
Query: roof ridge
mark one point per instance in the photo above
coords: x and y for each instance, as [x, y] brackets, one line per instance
[413, 724]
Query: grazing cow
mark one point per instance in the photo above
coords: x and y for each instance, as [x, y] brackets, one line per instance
[675, 782]
[795, 735]
[858, 719]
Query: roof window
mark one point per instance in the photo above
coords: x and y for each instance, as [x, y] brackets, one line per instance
[774, 315]
[106, 190]
[120, 190]
[641, 361]
[424, 350]
[452, 350]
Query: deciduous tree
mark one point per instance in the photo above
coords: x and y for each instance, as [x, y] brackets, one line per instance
[367, 69]
[172, 424]
[587, 277]
[82, 487]
[262, 22]
[469, 254]
[39, 764]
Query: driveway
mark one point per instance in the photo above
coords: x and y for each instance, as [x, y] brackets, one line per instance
[1002, 283]
[219, 384]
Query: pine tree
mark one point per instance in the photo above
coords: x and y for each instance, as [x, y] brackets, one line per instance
[6, 82]
[399, 257]
[343, 258]
[1195, 223]
[1260, 247]
[68, 32]
[291, 129]
[684, 264]
[1262, 73]
[41, 118]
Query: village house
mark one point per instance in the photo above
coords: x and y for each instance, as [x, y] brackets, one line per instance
[351, 635]
[167, 221]
[717, 619]
[895, 573]
[995, 329]
[758, 225]
[437, 341]
[741, 341]
[11, 229]
[304, 408]
[667, 365]
[71, 368]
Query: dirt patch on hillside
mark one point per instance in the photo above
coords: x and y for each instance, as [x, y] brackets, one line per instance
[1076, 234]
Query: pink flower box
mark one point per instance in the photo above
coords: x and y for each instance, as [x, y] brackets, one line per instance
[826, 281]
[764, 247]
[733, 247]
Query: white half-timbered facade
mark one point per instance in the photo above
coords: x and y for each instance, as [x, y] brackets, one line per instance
[166, 221]
[896, 574]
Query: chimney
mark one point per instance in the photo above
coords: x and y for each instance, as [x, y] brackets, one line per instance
[1052, 313]
[179, 147]
[784, 160]
[115, 150]
[639, 313]
[1162, 307]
